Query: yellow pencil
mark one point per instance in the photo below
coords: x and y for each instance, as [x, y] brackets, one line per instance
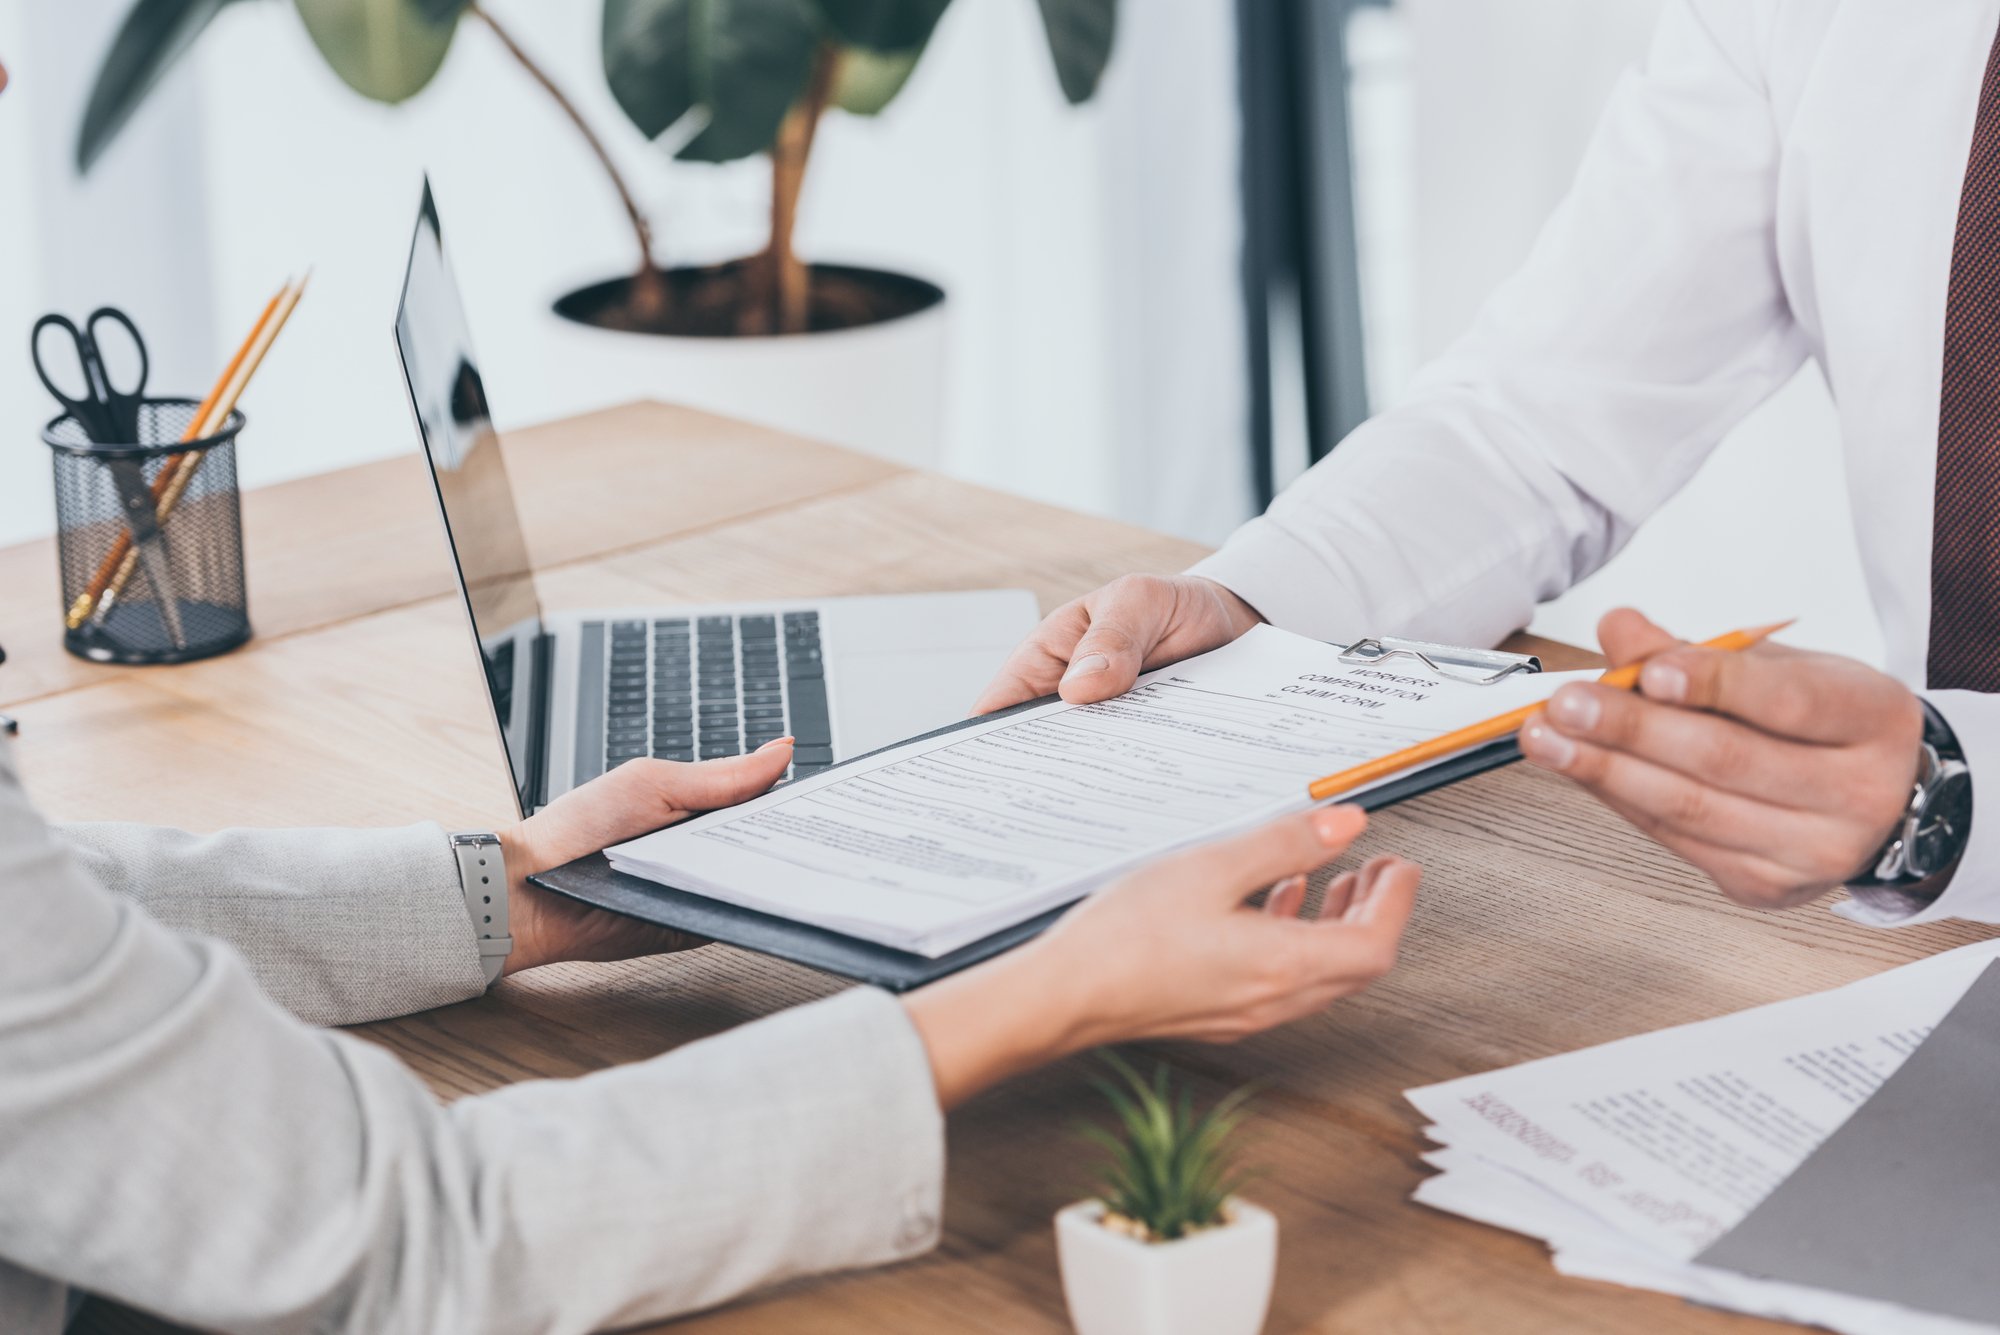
[181, 468]
[117, 558]
[1503, 725]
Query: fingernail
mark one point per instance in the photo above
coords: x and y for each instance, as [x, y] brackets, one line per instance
[1339, 896]
[1576, 707]
[1086, 665]
[774, 743]
[1664, 681]
[1368, 895]
[1339, 825]
[1547, 747]
[1366, 901]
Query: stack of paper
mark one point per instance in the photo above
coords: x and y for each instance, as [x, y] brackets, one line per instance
[938, 842]
[1629, 1159]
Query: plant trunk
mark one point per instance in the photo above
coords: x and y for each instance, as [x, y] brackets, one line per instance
[649, 288]
[781, 298]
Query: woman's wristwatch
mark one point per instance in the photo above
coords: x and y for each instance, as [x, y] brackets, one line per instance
[483, 874]
[1927, 842]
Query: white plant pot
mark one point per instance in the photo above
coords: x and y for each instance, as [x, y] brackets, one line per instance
[1217, 1282]
[879, 388]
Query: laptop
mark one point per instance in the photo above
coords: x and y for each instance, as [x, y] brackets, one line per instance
[575, 694]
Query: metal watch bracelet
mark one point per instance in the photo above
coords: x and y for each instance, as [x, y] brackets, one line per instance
[483, 874]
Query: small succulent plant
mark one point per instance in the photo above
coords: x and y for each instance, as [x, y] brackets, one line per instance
[1168, 1172]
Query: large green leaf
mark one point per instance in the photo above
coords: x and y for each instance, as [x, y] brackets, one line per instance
[868, 81]
[387, 50]
[1080, 37]
[154, 35]
[743, 62]
[649, 61]
[883, 25]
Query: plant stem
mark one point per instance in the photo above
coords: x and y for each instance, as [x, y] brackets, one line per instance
[649, 290]
[787, 282]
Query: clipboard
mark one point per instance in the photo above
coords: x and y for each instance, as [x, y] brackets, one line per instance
[591, 880]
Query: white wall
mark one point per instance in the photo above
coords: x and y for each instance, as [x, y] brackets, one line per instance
[24, 498]
[135, 237]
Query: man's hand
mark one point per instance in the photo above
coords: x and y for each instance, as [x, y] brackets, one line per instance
[1096, 647]
[637, 798]
[1778, 772]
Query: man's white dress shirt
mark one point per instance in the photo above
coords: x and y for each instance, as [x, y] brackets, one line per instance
[1779, 181]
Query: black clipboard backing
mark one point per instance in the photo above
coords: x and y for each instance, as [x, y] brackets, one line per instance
[591, 881]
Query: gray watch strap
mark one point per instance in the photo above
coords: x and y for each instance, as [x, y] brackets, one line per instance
[483, 874]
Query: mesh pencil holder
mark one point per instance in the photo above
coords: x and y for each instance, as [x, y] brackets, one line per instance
[177, 592]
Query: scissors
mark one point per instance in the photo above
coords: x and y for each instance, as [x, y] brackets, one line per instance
[135, 495]
[108, 413]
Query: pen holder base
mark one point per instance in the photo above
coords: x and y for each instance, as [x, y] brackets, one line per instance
[133, 625]
[176, 594]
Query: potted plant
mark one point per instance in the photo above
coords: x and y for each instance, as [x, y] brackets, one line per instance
[757, 78]
[731, 79]
[1167, 1247]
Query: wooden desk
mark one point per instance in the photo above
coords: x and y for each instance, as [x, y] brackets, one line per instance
[1545, 923]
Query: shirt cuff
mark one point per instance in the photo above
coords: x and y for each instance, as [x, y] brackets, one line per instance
[1286, 582]
[1972, 886]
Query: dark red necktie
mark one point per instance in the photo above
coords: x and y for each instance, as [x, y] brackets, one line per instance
[1965, 556]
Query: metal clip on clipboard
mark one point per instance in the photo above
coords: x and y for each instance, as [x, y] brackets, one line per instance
[1477, 667]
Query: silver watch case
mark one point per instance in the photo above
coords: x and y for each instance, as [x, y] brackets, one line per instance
[1932, 832]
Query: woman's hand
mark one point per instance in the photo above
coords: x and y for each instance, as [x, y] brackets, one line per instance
[637, 798]
[1173, 951]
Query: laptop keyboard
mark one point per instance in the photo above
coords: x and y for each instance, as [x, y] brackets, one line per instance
[699, 688]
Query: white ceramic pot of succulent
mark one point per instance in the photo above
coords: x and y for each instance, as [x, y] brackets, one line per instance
[1168, 1247]
[1216, 1281]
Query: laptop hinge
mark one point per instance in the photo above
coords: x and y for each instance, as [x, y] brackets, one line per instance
[538, 721]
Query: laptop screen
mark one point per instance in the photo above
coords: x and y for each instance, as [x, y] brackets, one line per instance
[481, 524]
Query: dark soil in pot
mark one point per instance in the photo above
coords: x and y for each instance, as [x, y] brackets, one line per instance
[709, 301]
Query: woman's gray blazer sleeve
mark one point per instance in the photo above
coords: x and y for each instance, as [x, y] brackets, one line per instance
[171, 1137]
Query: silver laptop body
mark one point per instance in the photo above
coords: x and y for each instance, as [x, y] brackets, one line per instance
[575, 693]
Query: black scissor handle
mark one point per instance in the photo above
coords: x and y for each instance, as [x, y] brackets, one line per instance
[121, 403]
[82, 408]
[109, 413]
[118, 317]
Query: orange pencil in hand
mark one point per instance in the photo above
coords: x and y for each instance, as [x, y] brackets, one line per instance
[1501, 726]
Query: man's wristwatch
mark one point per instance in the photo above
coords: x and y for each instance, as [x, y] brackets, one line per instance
[1938, 820]
[483, 875]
